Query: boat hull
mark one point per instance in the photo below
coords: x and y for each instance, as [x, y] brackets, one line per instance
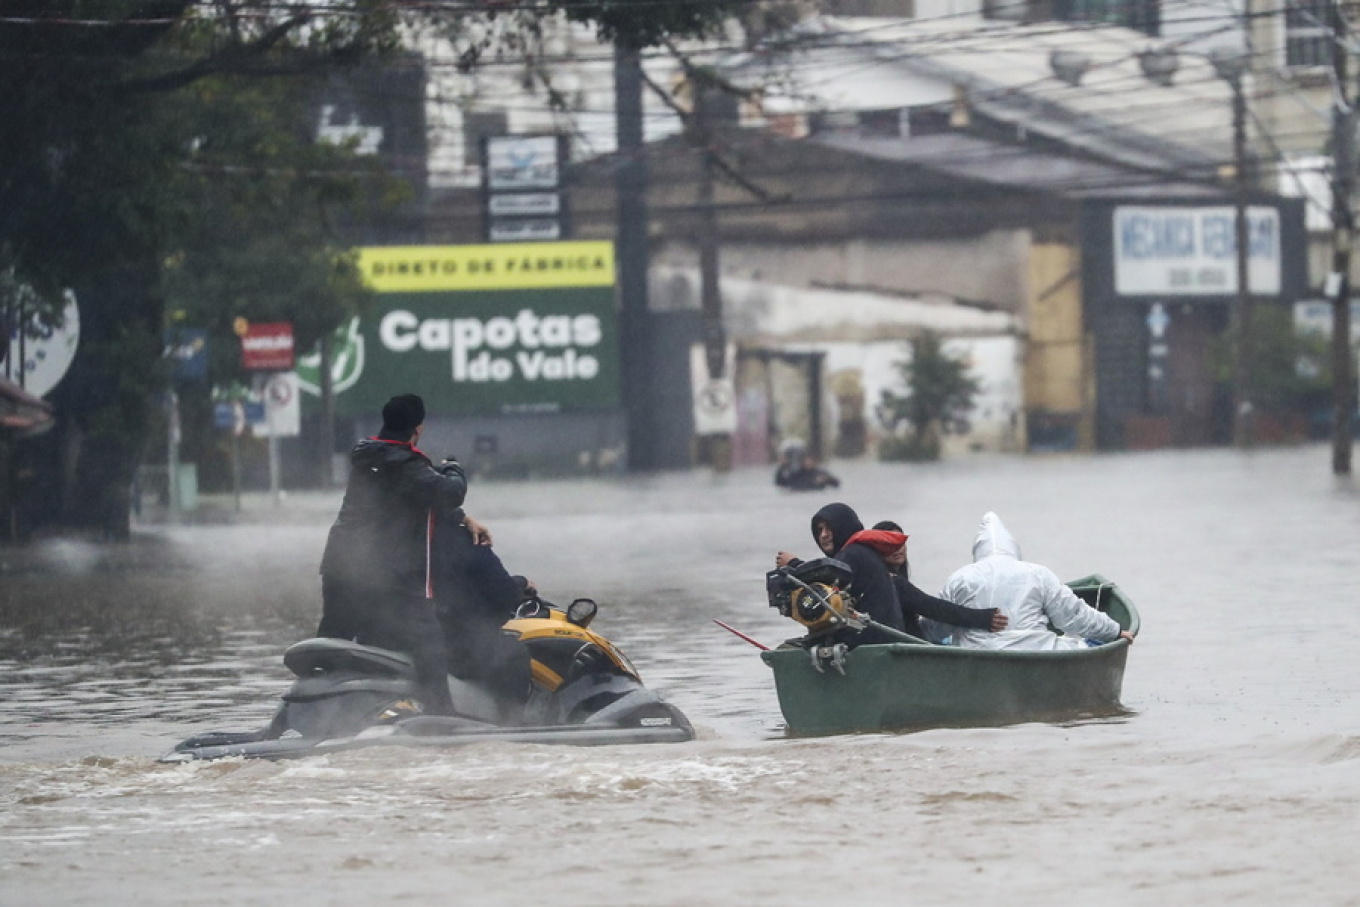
[903, 685]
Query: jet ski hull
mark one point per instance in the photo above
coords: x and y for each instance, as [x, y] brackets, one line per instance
[347, 696]
[572, 735]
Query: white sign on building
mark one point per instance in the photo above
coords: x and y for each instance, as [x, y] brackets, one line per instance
[1172, 251]
[519, 162]
[40, 357]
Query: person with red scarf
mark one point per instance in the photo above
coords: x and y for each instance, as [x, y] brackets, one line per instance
[375, 573]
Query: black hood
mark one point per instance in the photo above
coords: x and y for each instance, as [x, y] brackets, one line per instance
[370, 452]
[844, 522]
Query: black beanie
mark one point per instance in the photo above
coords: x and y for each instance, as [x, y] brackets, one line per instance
[402, 414]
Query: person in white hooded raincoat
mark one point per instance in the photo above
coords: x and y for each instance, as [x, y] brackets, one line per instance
[1031, 595]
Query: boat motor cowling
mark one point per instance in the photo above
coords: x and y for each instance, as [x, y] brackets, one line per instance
[813, 593]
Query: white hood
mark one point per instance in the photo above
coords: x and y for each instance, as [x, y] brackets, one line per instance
[1030, 595]
[994, 538]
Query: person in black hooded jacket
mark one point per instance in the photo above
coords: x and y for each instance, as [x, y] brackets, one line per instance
[872, 586]
[375, 577]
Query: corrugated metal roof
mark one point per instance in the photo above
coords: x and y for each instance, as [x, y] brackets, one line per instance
[1115, 111]
[968, 157]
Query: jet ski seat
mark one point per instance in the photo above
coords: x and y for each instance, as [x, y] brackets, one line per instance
[311, 657]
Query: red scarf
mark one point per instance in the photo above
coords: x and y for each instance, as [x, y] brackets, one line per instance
[883, 541]
[406, 444]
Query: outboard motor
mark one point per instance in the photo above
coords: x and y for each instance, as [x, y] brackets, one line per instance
[814, 594]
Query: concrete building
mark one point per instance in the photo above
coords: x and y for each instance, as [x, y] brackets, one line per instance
[979, 153]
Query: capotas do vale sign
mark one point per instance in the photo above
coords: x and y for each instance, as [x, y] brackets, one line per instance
[528, 346]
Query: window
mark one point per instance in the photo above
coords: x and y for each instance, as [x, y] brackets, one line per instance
[1140, 15]
[1307, 35]
[478, 126]
[1008, 10]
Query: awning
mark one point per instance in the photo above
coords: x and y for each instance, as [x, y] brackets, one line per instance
[21, 413]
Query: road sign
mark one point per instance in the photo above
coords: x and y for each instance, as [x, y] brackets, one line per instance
[715, 399]
[187, 350]
[237, 415]
[282, 407]
[267, 347]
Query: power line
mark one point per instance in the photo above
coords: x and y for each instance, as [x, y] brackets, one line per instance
[1038, 89]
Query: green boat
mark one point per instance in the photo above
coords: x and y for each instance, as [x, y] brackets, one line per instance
[916, 684]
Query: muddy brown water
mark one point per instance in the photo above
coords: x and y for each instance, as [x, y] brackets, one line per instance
[1235, 777]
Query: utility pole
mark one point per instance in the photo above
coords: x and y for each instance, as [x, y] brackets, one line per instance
[631, 246]
[327, 446]
[1243, 403]
[1343, 237]
[715, 340]
[1231, 67]
[719, 448]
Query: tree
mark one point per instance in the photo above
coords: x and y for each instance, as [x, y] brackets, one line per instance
[1291, 372]
[940, 394]
[151, 160]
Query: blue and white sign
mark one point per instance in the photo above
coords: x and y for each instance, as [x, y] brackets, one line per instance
[522, 162]
[187, 351]
[1164, 251]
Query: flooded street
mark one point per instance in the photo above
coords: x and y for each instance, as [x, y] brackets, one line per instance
[1236, 777]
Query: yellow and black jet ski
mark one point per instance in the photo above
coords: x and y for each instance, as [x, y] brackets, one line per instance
[345, 696]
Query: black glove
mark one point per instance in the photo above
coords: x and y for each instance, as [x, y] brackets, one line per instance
[450, 467]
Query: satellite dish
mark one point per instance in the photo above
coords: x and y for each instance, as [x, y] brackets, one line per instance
[1069, 65]
[1160, 64]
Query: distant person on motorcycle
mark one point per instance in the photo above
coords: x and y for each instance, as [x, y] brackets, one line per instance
[1031, 594]
[798, 470]
[474, 596]
[375, 577]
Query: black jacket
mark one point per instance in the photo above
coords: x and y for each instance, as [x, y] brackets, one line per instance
[917, 604]
[470, 582]
[381, 537]
[872, 585]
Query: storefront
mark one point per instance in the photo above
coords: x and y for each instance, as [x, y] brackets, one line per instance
[1160, 285]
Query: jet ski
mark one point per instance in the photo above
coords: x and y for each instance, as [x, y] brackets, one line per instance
[349, 696]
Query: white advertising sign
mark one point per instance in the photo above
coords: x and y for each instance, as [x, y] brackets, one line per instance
[525, 230]
[41, 357]
[1164, 251]
[1314, 316]
[525, 204]
[521, 162]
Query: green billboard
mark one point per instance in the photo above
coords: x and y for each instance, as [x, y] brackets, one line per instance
[510, 328]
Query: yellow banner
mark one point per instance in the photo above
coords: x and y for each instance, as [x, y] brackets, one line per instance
[507, 266]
